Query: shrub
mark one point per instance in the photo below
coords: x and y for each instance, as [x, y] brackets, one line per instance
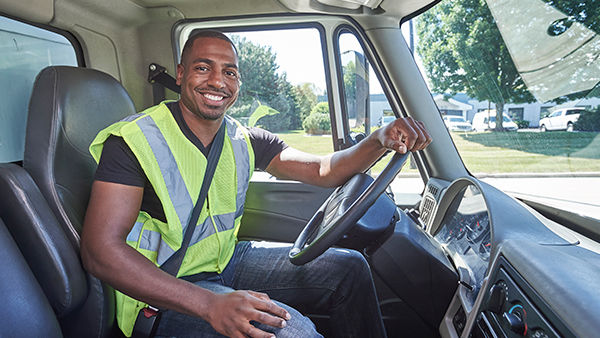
[588, 120]
[318, 122]
[522, 124]
[320, 108]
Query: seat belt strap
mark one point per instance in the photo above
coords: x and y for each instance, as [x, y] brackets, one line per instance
[173, 263]
[160, 79]
[148, 318]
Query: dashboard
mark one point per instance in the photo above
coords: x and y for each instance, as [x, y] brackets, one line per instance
[466, 237]
[515, 267]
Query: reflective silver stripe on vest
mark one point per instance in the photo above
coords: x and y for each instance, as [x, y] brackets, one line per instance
[180, 197]
[242, 163]
[131, 117]
[202, 231]
[151, 240]
[134, 234]
[222, 222]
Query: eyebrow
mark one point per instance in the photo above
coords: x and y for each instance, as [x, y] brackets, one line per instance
[210, 62]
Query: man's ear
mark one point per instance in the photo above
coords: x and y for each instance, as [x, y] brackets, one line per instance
[180, 70]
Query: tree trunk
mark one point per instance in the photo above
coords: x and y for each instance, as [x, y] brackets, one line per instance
[499, 117]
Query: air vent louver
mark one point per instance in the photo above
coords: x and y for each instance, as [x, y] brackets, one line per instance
[432, 189]
[428, 205]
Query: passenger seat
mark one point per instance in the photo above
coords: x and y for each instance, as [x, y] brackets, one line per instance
[25, 312]
[48, 196]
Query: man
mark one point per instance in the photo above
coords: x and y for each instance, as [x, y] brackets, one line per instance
[151, 165]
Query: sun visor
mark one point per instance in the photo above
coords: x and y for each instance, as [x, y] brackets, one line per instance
[553, 59]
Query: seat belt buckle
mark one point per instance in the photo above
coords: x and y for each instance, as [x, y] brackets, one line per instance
[146, 322]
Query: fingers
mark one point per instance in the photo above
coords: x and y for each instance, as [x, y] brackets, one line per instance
[269, 306]
[233, 314]
[406, 134]
[260, 295]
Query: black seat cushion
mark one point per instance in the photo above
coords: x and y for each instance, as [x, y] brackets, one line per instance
[45, 246]
[25, 312]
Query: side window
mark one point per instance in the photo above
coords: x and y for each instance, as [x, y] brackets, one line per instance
[367, 106]
[283, 86]
[24, 51]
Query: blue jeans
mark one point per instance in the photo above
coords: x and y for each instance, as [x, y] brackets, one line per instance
[338, 283]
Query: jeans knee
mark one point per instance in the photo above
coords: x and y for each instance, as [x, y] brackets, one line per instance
[352, 261]
[299, 326]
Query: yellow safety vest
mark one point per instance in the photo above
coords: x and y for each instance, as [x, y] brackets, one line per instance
[175, 167]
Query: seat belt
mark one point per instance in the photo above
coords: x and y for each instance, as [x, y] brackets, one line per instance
[148, 318]
[160, 79]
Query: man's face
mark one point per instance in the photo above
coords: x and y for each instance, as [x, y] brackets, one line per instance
[209, 78]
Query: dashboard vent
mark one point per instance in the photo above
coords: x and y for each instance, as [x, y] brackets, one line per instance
[432, 189]
[427, 209]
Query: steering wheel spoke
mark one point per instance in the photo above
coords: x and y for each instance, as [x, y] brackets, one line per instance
[342, 209]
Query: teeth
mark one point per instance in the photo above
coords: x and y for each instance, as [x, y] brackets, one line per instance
[213, 97]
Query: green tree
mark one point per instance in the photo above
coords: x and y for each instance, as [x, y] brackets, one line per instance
[261, 82]
[462, 51]
[305, 98]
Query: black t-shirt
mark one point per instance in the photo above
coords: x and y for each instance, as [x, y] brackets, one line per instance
[118, 164]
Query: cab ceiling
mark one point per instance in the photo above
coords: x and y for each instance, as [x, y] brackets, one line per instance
[130, 12]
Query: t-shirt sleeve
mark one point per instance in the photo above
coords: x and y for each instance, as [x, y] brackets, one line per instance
[266, 146]
[118, 164]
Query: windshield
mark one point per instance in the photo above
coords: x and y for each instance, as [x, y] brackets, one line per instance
[522, 60]
[504, 119]
[456, 119]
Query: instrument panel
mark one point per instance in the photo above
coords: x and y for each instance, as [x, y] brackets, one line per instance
[465, 234]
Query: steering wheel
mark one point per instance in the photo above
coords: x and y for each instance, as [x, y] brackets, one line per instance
[335, 218]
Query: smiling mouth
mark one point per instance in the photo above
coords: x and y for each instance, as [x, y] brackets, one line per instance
[213, 97]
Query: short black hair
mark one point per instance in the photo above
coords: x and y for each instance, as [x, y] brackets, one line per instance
[203, 33]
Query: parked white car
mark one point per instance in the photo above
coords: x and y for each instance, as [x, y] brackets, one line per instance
[457, 123]
[486, 120]
[561, 119]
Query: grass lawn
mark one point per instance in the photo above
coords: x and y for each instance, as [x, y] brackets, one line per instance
[492, 152]
[321, 145]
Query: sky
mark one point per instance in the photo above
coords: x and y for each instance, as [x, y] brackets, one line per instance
[298, 53]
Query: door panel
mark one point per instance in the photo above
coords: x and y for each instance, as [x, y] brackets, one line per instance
[278, 210]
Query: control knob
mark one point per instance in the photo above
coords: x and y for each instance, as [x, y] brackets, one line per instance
[498, 296]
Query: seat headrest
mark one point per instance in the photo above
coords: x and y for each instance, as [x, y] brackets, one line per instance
[68, 106]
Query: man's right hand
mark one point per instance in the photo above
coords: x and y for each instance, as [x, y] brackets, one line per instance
[230, 314]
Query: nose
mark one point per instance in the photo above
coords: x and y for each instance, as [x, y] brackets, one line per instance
[216, 78]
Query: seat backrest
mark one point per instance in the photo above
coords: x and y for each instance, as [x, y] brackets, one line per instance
[25, 312]
[68, 107]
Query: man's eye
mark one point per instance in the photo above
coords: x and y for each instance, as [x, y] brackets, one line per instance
[201, 68]
[231, 74]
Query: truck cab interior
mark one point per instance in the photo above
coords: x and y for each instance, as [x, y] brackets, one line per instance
[455, 247]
